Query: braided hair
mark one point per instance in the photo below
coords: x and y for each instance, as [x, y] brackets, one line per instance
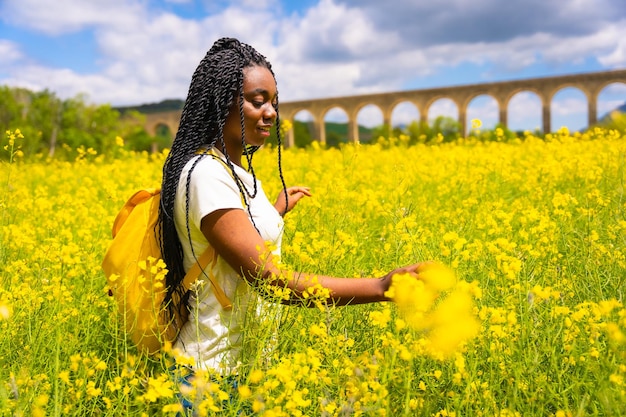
[216, 84]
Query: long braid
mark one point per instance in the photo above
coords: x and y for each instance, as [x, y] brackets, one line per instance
[216, 84]
[280, 164]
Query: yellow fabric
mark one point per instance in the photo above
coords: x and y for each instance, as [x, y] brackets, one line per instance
[136, 277]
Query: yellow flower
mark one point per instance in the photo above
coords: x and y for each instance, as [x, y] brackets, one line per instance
[452, 323]
[64, 376]
[257, 406]
[380, 318]
[172, 408]
[449, 322]
[92, 391]
[318, 330]
[42, 400]
[5, 311]
[285, 126]
[244, 391]
[413, 298]
[438, 277]
[255, 376]
[159, 387]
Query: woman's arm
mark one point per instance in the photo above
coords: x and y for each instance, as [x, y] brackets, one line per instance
[232, 235]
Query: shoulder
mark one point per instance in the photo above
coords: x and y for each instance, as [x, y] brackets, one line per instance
[206, 166]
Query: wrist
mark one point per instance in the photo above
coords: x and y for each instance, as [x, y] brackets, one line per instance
[384, 284]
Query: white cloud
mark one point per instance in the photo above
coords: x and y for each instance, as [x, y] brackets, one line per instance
[331, 33]
[10, 52]
[162, 52]
[335, 48]
[606, 106]
[443, 107]
[617, 57]
[337, 115]
[304, 116]
[484, 108]
[460, 21]
[370, 116]
[304, 81]
[568, 106]
[65, 16]
[149, 59]
[523, 100]
[256, 4]
[614, 88]
[524, 111]
[67, 83]
[404, 113]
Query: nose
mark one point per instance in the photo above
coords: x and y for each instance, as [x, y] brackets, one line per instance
[269, 112]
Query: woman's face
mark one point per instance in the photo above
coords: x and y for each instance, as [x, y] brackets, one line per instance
[259, 114]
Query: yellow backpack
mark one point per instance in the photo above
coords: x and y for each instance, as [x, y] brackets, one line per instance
[136, 272]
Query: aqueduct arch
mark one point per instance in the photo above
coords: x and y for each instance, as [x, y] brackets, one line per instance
[591, 84]
[171, 119]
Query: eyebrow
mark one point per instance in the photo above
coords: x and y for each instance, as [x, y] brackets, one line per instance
[261, 91]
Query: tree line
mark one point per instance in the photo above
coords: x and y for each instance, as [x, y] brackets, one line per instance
[60, 128]
[53, 127]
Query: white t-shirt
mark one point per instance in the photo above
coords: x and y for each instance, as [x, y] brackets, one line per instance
[212, 336]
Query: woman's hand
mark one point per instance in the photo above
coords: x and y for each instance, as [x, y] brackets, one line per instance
[285, 205]
[413, 270]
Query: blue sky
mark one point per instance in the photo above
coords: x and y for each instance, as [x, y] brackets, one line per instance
[127, 52]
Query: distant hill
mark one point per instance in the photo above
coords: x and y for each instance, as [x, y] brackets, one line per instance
[162, 106]
[620, 109]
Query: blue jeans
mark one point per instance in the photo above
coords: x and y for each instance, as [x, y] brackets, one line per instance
[183, 375]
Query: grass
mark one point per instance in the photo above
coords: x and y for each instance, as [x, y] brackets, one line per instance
[534, 229]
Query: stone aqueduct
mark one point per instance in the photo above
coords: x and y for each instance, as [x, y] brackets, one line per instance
[591, 84]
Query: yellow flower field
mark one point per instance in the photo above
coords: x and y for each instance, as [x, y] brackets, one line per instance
[525, 318]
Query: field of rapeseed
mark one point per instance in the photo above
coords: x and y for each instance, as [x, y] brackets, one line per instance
[534, 324]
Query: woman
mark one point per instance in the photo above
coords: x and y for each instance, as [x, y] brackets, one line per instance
[209, 199]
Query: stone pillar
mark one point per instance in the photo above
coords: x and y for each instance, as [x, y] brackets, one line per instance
[503, 116]
[387, 122]
[174, 128]
[353, 130]
[320, 128]
[463, 121]
[592, 103]
[290, 140]
[545, 114]
[424, 115]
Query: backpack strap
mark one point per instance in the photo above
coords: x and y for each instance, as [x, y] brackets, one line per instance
[219, 156]
[197, 270]
[136, 199]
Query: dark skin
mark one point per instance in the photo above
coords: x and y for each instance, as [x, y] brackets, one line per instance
[234, 237]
